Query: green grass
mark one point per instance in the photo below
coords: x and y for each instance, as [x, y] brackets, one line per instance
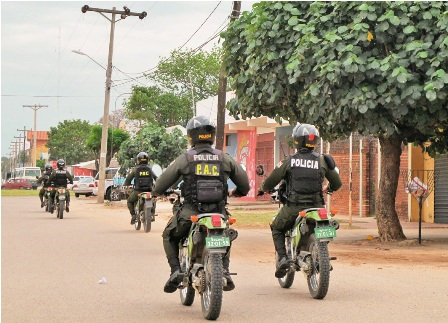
[23, 192]
[253, 219]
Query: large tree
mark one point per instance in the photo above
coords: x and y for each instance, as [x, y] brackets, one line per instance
[115, 138]
[68, 141]
[187, 71]
[154, 105]
[375, 68]
[161, 147]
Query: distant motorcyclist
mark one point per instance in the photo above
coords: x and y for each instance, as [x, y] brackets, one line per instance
[204, 172]
[143, 181]
[60, 177]
[44, 179]
[304, 174]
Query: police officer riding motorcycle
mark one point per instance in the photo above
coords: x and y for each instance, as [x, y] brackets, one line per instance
[304, 173]
[143, 181]
[204, 171]
[44, 179]
[60, 177]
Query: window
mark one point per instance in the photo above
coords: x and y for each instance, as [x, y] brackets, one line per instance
[227, 140]
[32, 172]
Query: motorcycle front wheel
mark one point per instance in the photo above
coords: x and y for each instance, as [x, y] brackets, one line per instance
[287, 280]
[319, 279]
[186, 293]
[211, 298]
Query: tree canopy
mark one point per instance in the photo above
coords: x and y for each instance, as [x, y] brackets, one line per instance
[160, 146]
[376, 68]
[340, 65]
[67, 140]
[115, 138]
[154, 105]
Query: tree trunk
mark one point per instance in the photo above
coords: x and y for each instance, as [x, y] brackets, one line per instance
[389, 227]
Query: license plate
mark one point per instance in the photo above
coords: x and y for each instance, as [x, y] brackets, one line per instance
[62, 197]
[323, 233]
[217, 242]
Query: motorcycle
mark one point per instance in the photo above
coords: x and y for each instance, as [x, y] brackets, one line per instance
[60, 201]
[201, 258]
[307, 249]
[145, 210]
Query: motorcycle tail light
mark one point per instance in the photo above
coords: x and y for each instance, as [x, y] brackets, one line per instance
[216, 220]
[323, 214]
[302, 214]
[333, 212]
[96, 184]
[194, 218]
[91, 185]
[232, 220]
[74, 185]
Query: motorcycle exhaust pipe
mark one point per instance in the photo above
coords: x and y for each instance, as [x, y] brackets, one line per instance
[232, 233]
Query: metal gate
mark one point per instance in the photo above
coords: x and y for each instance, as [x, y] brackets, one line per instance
[441, 190]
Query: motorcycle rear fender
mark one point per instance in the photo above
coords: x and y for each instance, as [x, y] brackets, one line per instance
[207, 222]
[217, 250]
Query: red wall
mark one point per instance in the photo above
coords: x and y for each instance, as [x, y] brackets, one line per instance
[78, 171]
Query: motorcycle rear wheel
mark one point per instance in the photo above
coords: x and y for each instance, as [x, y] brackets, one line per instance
[146, 222]
[211, 298]
[61, 208]
[319, 279]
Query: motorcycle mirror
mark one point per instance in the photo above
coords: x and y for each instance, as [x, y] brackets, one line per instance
[157, 170]
[259, 170]
[243, 166]
[37, 177]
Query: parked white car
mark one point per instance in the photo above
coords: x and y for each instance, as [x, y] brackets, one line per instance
[76, 179]
[85, 186]
[111, 175]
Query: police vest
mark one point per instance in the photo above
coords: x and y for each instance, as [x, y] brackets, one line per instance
[61, 178]
[143, 178]
[205, 183]
[304, 176]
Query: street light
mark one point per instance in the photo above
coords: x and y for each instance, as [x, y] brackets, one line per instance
[84, 54]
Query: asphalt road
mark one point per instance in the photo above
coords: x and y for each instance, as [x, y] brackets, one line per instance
[51, 268]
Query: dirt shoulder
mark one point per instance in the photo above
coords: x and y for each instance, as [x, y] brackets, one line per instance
[355, 245]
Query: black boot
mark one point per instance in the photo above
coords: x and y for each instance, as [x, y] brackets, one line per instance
[282, 261]
[133, 218]
[226, 273]
[67, 209]
[41, 203]
[173, 282]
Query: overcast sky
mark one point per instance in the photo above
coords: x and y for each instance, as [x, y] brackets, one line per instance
[37, 62]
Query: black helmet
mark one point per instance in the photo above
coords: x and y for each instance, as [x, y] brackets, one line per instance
[60, 163]
[142, 158]
[305, 136]
[48, 168]
[201, 129]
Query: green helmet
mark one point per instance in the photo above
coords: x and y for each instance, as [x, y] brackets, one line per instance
[201, 130]
[305, 136]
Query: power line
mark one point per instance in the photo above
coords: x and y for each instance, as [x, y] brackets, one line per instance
[200, 26]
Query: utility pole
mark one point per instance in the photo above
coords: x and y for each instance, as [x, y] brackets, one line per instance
[20, 150]
[15, 152]
[222, 88]
[24, 140]
[35, 108]
[123, 14]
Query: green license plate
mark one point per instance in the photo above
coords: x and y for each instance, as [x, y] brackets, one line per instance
[217, 242]
[323, 233]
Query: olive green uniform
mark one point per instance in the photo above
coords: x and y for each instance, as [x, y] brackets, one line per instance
[44, 179]
[287, 214]
[179, 225]
[133, 197]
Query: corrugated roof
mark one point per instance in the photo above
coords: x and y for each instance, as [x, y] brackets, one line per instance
[41, 135]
